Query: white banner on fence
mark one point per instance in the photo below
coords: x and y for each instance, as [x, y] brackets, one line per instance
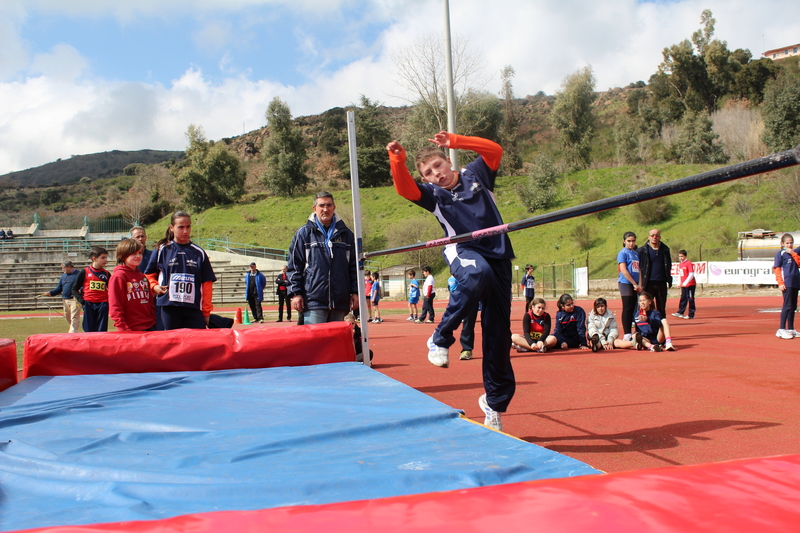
[729, 273]
[581, 281]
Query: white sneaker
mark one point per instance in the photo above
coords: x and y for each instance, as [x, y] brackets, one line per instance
[492, 419]
[793, 332]
[669, 347]
[780, 333]
[437, 355]
[627, 337]
[786, 334]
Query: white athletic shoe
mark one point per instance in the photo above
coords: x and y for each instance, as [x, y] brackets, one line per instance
[627, 337]
[779, 333]
[793, 332]
[437, 355]
[492, 418]
[786, 334]
[669, 347]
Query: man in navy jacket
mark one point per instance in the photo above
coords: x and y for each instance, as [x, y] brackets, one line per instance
[322, 265]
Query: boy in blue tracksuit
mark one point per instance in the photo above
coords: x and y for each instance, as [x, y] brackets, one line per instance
[463, 202]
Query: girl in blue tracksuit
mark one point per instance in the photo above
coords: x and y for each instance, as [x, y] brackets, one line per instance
[570, 328]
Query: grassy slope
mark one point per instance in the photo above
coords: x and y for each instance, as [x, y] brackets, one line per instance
[703, 222]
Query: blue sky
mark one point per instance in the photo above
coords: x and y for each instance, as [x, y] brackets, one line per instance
[84, 76]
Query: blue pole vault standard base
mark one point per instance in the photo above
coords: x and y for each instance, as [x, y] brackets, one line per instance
[108, 448]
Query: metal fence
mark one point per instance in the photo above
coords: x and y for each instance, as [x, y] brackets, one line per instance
[555, 279]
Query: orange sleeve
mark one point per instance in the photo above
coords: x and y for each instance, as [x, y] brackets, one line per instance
[796, 258]
[778, 275]
[208, 291]
[404, 183]
[152, 279]
[491, 152]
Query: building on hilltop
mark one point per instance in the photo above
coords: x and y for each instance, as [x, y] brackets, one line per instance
[783, 52]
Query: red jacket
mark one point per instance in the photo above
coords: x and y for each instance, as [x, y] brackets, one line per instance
[129, 300]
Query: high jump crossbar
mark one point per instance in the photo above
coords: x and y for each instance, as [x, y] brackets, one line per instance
[759, 165]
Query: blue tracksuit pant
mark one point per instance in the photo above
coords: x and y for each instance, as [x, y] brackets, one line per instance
[487, 281]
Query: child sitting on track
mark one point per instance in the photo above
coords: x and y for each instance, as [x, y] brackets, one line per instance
[463, 202]
[652, 331]
[535, 327]
[570, 330]
[602, 326]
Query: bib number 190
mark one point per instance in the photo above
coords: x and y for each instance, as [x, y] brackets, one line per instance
[181, 288]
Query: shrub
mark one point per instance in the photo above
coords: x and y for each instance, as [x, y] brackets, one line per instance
[653, 211]
[540, 191]
[584, 236]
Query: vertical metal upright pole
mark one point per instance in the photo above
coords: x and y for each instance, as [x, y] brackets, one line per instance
[451, 101]
[354, 187]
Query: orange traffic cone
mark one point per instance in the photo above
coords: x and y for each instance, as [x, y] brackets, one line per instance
[238, 318]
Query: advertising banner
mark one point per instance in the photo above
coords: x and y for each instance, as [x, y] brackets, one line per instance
[729, 273]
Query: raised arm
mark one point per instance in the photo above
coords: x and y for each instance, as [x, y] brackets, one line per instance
[491, 152]
[404, 183]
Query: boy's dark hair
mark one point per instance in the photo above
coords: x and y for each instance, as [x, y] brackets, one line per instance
[563, 299]
[683, 252]
[375, 275]
[426, 268]
[367, 273]
[412, 273]
[127, 248]
[429, 152]
[97, 251]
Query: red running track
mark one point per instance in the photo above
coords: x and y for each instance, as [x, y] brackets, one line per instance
[730, 391]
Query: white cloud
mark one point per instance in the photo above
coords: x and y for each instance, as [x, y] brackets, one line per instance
[63, 108]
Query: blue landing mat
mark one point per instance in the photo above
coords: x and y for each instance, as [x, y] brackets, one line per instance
[106, 448]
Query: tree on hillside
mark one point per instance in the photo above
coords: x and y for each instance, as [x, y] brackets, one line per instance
[573, 117]
[420, 69]
[751, 81]
[212, 175]
[540, 192]
[372, 136]
[696, 141]
[781, 112]
[512, 160]
[695, 75]
[284, 152]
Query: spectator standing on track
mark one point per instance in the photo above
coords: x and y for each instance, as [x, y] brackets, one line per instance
[66, 288]
[628, 281]
[282, 281]
[655, 267]
[688, 287]
[375, 297]
[367, 293]
[91, 290]
[413, 296]
[181, 274]
[138, 233]
[323, 277]
[255, 282]
[528, 285]
[428, 295]
[130, 302]
[464, 202]
[788, 276]
[467, 337]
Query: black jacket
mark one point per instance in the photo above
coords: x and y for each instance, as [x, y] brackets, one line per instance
[644, 263]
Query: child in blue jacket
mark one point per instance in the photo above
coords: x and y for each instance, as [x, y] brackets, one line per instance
[570, 327]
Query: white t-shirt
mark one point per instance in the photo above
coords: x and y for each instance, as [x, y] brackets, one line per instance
[428, 283]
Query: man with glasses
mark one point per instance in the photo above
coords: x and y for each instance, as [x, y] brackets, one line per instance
[322, 265]
[655, 267]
